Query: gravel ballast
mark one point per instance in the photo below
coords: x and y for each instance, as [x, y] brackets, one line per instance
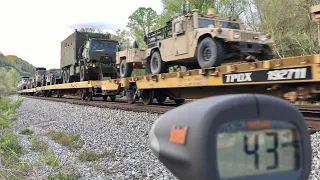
[123, 133]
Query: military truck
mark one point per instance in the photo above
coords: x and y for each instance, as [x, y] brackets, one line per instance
[88, 56]
[23, 83]
[196, 40]
[40, 77]
[53, 77]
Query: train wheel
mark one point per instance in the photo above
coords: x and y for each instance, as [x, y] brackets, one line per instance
[130, 95]
[147, 97]
[112, 98]
[89, 96]
[83, 95]
[105, 98]
[161, 98]
[179, 101]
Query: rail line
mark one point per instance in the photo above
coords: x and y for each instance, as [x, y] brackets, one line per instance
[311, 113]
[119, 104]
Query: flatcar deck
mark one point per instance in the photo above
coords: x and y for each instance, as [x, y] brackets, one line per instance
[301, 69]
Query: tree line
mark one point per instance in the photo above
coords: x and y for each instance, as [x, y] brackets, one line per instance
[9, 81]
[288, 21]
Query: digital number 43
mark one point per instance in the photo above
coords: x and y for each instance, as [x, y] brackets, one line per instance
[255, 150]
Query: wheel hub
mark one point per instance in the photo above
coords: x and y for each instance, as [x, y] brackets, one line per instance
[122, 68]
[207, 54]
[154, 64]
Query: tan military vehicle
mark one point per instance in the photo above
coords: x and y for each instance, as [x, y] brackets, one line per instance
[195, 40]
[40, 76]
[130, 59]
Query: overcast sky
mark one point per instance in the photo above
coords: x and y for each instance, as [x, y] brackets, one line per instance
[34, 29]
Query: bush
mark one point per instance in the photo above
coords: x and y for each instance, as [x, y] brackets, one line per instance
[10, 150]
[9, 81]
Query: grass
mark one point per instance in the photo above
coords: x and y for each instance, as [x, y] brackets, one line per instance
[50, 159]
[12, 167]
[72, 141]
[89, 155]
[26, 132]
[37, 144]
[73, 175]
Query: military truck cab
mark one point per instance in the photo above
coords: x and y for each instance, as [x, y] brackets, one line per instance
[88, 56]
[40, 77]
[194, 40]
[53, 77]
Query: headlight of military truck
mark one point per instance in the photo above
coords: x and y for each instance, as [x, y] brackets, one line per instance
[236, 35]
[263, 38]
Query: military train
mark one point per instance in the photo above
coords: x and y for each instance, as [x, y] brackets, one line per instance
[293, 78]
[94, 56]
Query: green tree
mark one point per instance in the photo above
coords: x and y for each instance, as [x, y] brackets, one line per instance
[9, 81]
[233, 8]
[294, 33]
[141, 22]
[123, 37]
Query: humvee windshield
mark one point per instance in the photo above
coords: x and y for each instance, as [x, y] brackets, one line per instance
[205, 23]
[230, 25]
[41, 73]
[103, 45]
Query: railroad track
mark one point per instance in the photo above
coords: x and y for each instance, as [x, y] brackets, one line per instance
[118, 104]
[311, 113]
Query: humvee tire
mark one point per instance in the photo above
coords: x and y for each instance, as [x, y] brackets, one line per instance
[157, 66]
[266, 53]
[83, 73]
[210, 53]
[125, 69]
[65, 76]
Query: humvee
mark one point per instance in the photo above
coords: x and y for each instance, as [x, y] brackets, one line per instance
[23, 83]
[196, 40]
[40, 76]
[130, 59]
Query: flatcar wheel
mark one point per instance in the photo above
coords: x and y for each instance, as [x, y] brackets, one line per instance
[83, 95]
[89, 96]
[112, 98]
[161, 99]
[105, 98]
[130, 95]
[179, 101]
[147, 97]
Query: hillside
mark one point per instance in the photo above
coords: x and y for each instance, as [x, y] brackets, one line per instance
[22, 66]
